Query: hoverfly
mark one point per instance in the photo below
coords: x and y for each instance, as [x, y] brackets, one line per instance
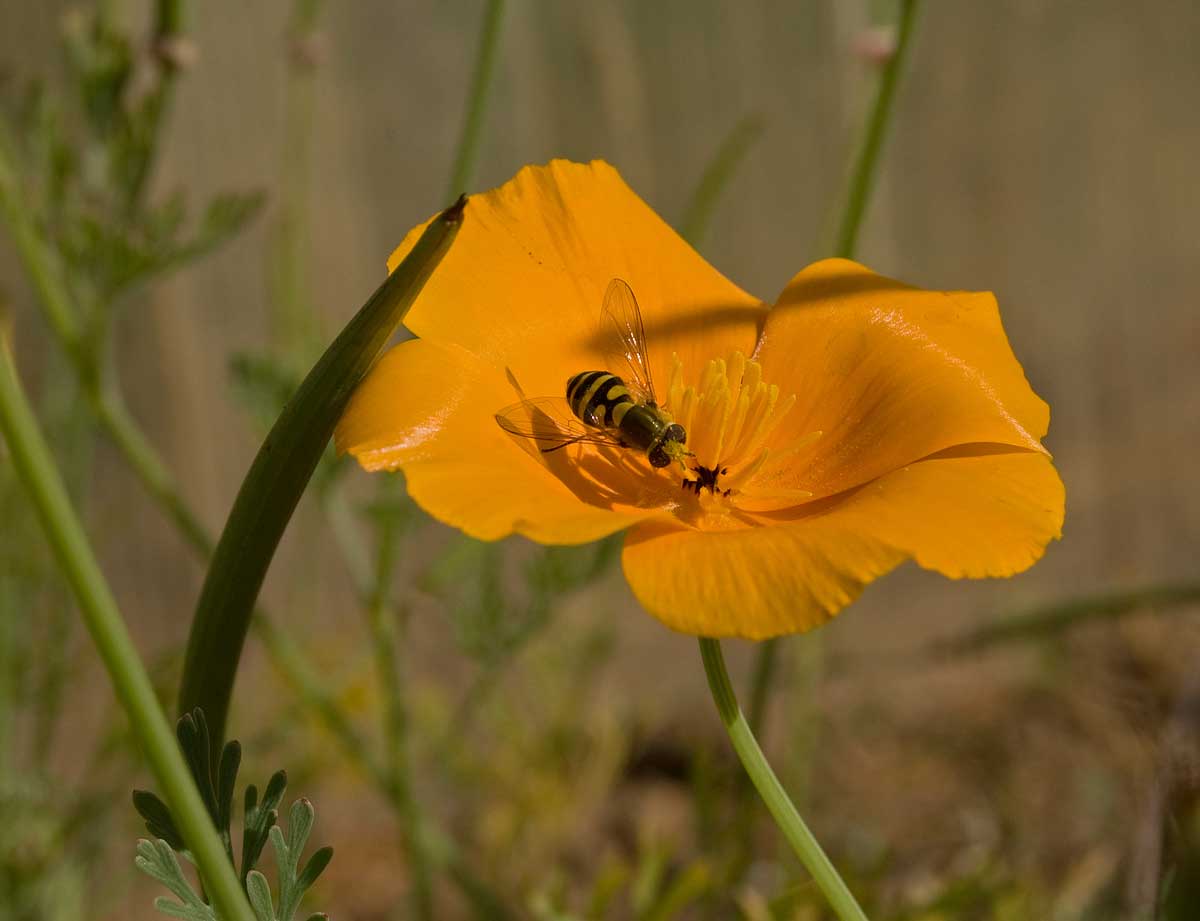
[601, 407]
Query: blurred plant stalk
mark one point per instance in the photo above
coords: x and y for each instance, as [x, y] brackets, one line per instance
[864, 168]
[294, 319]
[387, 624]
[34, 464]
[296, 323]
[82, 340]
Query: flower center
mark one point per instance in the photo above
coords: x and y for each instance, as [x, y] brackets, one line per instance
[730, 416]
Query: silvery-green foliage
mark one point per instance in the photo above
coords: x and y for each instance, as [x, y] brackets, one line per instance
[216, 782]
[157, 860]
[294, 880]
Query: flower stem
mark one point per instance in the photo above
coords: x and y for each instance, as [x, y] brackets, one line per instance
[770, 789]
[37, 471]
[866, 158]
[720, 170]
[857, 197]
[387, 629]
[481, 82]
[294, 319]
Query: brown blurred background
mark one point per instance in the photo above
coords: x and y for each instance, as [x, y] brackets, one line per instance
[1045, 151]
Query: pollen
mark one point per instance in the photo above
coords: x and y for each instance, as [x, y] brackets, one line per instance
[732, 417]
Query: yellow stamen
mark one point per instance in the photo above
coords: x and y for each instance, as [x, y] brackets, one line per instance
[746, 473]
[731, 416]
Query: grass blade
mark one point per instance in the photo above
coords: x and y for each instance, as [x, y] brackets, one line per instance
[1046, 621]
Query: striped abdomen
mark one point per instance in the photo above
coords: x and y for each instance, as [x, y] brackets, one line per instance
[601, 399]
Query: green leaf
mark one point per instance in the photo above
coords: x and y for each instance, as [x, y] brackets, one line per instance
[273, 794]
[231, 759]
[288, 850]
[262, 384]
[315, 867]
[192, 732]
[157, 860]
[282, 469]
[158, 818]
[685, 889]
[225, 217]
[259, 818]
[122, 255]
[102, 61]
[260, 896]
[1050, 620]
[300, 822]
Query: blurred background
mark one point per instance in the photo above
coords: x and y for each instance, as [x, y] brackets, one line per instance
[1027, 748]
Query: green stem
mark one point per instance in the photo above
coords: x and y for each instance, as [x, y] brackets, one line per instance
[387, 629]
[716, 176]
[39, 261]
[857, 197]
[169, 23]
[302, 678]
[35, 466]
[348, 536]
[760, 693]
[294, 319]
[769, 788]
[481, 82]
[866, 158]
[760, 685]
[113, 416]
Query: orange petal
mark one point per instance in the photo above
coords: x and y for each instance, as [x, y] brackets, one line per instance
[890, 374]
[973, 515]
[523, 284]
[428, 408]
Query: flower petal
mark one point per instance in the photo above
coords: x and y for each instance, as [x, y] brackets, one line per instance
[890, 374]
[428, 408]
[989, 513]
[523, 285]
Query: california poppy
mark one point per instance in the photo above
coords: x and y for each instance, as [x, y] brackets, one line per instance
[853, 424]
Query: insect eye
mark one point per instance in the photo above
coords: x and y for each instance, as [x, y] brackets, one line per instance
[658, 458]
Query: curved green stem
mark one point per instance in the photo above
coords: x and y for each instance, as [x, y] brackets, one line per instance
[857, 197]
[866, 158]
[481, 82]
[771, 790]
[280, 472]
[37, 471]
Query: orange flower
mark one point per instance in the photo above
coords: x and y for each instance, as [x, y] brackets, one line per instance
[856, 423]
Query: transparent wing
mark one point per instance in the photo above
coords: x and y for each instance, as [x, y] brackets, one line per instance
[625, 340]
[550, 422]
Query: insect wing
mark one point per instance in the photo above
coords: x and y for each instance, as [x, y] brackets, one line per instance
[549, 422]
[625, 339]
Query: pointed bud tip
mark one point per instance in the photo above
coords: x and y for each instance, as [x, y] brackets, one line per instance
[454, 214]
